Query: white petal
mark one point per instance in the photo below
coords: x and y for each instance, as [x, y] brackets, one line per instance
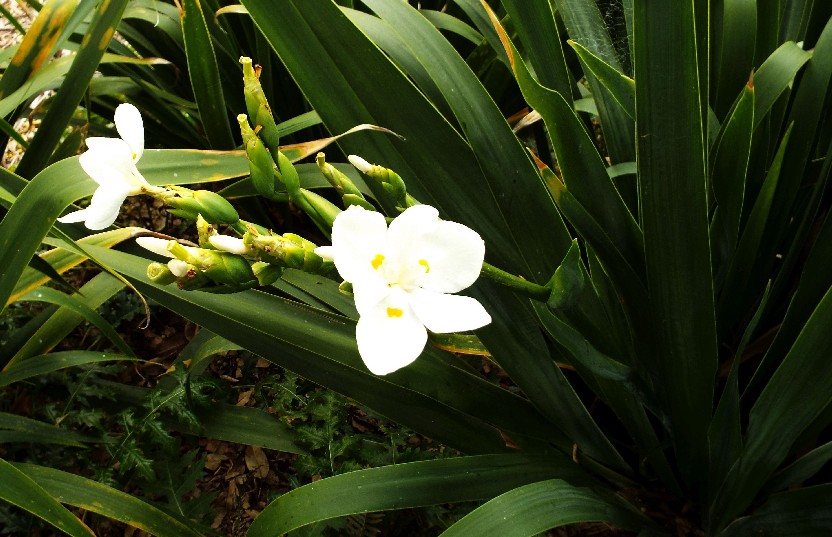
[368, 293]
[413, 223]
[454, 253]
[104, 206]
[358, 238]
[229, 244]
[129, 125]
[75, 216]
[107, 161]
[443, 313]
[325, 252]
[388, 342]
[448, 256]
[155, 245]
[177, 267]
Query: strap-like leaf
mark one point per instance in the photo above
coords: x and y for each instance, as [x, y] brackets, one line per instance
[409, 485]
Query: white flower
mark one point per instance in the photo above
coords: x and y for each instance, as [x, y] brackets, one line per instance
[402, 277]
[111, 162]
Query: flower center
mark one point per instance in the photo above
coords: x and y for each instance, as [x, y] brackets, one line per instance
[377, 261]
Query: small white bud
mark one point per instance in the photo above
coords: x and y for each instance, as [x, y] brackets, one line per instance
[229, 244]
[361, 164]
[325, 252]
[178, 268]
[155, 245]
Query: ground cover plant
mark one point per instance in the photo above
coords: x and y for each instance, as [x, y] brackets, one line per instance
[640, 251]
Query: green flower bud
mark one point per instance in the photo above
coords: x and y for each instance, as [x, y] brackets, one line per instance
[288, 250]
[190, 204]
[160, 274]
[392, 184]
[350, 199]
[266, 274]
[257, 106]
[205, 231]
[260, 162]
[350, 194]
[228, 269]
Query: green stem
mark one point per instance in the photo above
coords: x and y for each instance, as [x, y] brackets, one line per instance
[515, 283]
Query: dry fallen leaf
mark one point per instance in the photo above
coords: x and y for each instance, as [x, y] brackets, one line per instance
[256, 461]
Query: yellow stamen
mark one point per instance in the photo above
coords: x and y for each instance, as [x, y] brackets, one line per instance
[394, 312]
[424, 263]
[377, 261]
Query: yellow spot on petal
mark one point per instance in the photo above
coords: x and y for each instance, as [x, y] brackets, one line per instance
[134, 156]
[394, 312]
[377, 261]
[424, 263]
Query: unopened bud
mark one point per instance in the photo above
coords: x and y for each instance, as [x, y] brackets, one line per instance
[257, 106]
[362, 165]
[160, 274]
[190, 204]
[260, 162]
[179, 268]
[155, 245]
[350, 193]
[229, 244]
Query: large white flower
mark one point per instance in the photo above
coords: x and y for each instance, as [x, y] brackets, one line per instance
[111, 162]
[402, 277]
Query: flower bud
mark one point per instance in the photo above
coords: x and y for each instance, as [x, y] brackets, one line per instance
[228, 269]
[257, 106]
[205, 231]
[160, 274]
[266, 274]
[260, 162]
[229, 244]
[190, 204]
[350, 193]
[179, 268]
[392, 184]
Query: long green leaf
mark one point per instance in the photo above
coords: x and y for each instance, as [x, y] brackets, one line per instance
[586, 25]
[99, 498]
[742, 282]
[60, 323]
[20, 490]
[671, 172]
[621, 87]
[792, 399]
[29, 430]
[105, 20]
[536, 28]
[800, 513]
[205, 76]
[775, 75]
[38, 44]
[729, 164]
[537, 507]
[409, 485]
[52, 296]
[583, 169]
[733, 52]
[48, 363]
